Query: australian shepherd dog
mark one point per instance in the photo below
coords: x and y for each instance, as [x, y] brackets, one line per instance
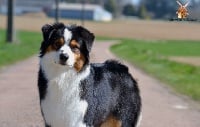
[76, 93]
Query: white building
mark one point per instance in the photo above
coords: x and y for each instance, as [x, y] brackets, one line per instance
[78, 11]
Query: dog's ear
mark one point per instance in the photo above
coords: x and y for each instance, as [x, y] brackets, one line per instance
[87, 36]
[47, 31]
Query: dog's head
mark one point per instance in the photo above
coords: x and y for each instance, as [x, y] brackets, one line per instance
[66, 45]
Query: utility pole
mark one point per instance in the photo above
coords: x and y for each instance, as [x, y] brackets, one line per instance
[57, 11]
[10, 29]
[83, 13]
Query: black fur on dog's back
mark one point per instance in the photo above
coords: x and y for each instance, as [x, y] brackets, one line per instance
[111, 91]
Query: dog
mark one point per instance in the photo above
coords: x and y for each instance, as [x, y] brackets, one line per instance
[76, 93]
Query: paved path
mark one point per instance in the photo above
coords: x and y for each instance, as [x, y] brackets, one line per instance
[19, 105]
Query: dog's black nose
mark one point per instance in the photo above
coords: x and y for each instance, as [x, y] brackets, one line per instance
[64, 57]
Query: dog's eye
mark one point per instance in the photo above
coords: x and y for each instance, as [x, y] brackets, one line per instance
[57, 44]
[75, 49]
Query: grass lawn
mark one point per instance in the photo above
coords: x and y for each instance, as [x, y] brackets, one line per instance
[152, 57]
[27, 44]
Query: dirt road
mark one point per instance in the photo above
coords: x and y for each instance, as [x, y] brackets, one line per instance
[19, 104]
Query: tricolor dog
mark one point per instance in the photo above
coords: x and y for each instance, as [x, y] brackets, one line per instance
[76, 93]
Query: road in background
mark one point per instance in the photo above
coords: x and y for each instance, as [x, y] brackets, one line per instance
[135, 29]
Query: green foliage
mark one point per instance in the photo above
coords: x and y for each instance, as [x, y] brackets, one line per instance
[73, 1]
[160, 8]
[28, 44]
[111, 6]
[142, 12]
[129, 10]
[152, 56]
[85, 1]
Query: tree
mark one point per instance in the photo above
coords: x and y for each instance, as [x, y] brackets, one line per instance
[129, 10]
[142, 13]
[160, 8]
[72, 1]
[111, 6]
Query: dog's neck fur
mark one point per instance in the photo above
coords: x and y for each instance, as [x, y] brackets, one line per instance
[63, 95]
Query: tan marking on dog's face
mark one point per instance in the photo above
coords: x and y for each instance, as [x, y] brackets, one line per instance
[50, 49]
[56, 45]
[79, 57]
[111, 122]
[79, 62]
[74, 44]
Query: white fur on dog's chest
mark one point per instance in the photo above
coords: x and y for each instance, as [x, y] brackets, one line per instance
[62, 106]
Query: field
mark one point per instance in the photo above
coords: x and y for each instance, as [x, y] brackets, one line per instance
[135, 29]
[26, 44]
[154, 58]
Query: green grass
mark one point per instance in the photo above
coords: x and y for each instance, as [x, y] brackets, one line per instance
[152, 57]
[26, 45]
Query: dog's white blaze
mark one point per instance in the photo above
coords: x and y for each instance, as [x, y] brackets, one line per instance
[62, 106]
[66, 49]
[67, 35]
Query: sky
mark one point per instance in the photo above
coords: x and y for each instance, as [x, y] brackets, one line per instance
[135, 1]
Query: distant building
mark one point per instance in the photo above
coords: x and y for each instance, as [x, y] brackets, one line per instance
[24, 6]
[75, 11]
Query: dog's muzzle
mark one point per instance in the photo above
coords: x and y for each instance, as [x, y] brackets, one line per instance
[63, 58]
